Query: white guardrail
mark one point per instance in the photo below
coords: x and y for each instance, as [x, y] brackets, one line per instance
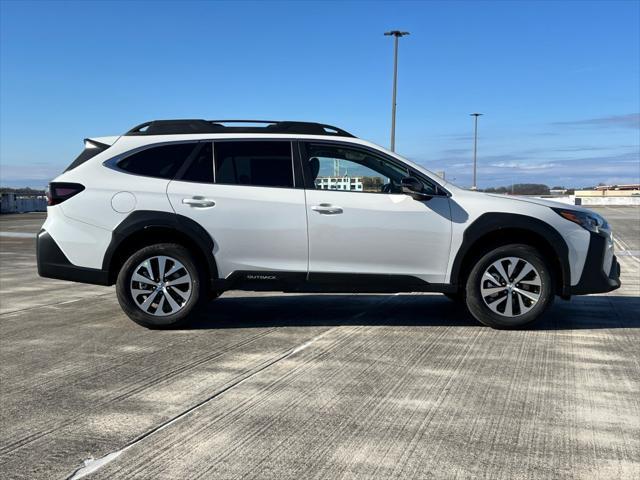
[593, 201]
[22, 203]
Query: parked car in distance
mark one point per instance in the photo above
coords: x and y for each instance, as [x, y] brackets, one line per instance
[175, 212]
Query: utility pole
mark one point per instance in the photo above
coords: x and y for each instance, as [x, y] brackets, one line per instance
[396, 34]
[475, 150]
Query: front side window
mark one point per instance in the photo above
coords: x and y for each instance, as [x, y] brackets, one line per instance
[334, 167]
[162, 161]
[254, 163]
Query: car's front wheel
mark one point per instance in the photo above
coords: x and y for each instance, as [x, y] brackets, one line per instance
[159, 286]
[509, 287]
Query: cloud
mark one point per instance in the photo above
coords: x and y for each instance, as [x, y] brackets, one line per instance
[461, 165]
[37, 173]
[457, 151]
[584, 149]
[524, 166]
[457, 137]
[577, 171]
[629, 120]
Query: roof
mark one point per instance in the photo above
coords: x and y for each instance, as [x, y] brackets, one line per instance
[176, 127]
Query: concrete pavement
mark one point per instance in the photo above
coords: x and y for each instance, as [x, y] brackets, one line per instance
[322, 386]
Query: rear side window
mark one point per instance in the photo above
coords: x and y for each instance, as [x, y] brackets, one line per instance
[260, 164]
[200, 168]
[162, 161]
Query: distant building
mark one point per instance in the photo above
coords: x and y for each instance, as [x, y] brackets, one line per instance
[632, 186]
[22, 200]
[340, 183]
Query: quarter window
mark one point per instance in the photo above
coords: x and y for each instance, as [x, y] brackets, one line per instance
[91, 150]
[261, 164]
[162, 161]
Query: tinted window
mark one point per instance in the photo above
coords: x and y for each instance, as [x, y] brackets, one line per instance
[343, 168]
[201, 166]
[163, 161]
[265, 164]
[90, 151]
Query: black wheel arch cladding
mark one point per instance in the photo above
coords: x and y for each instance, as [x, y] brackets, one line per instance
[142, 221]
[493, 223]
[486, 224]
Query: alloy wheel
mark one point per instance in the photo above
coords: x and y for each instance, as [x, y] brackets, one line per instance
[510, 286]
[161, 285]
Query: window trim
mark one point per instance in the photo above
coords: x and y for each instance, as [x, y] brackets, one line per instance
[410, 170]
[297, 185]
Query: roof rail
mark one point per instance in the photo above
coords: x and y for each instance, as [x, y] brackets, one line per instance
[175, 127]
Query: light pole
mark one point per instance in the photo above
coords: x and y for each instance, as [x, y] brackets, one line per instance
[396, 34]
[475, 149]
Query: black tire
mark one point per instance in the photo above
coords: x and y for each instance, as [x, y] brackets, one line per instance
[131, 308]
[519, 303]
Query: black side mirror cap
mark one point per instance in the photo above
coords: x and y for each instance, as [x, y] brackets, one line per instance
[414, 188]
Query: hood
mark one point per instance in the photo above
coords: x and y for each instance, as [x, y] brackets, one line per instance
[538, 201]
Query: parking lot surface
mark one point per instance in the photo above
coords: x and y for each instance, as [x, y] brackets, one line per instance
[277, 386]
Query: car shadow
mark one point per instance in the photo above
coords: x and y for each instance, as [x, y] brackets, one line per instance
[261, 311]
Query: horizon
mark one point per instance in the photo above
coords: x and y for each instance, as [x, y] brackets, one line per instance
[557, 82]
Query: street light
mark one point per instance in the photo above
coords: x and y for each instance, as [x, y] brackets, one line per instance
[396, 34]
[475, 149]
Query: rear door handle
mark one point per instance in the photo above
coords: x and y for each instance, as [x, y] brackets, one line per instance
[199, 202]
[327, 209]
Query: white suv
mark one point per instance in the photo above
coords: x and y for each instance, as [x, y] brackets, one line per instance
[175, 212]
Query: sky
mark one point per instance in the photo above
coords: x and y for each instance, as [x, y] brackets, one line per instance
[558, 82]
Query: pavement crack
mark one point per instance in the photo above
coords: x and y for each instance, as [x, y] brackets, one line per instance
[55, 304]
[91, 465]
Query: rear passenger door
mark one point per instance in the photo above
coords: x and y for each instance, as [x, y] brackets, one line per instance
[244, 193]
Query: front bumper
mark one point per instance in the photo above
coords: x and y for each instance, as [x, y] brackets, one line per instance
[597, 276]
[53, 263]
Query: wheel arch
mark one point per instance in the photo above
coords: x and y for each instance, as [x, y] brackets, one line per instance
[492, 230]
[142, 228]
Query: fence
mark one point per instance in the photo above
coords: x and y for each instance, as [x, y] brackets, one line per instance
[23, 202]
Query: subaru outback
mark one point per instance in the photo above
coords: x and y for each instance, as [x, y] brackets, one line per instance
[175, 212]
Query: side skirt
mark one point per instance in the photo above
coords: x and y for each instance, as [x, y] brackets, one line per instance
[328, 283]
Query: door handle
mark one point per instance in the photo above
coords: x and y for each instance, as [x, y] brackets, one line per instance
[199, 202]
[327, 209]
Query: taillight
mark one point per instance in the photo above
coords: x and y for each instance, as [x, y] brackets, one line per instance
[59, 192]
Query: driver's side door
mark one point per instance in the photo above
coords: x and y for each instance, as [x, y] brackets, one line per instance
[359, 222]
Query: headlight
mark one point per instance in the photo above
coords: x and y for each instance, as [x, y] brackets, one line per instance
[589, 220]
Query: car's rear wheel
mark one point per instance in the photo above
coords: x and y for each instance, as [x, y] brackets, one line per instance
[159, 286]
[509, 287]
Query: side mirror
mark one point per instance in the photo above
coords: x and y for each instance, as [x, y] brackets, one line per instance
[414, 188]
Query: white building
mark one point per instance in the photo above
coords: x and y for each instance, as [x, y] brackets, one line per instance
[339, 183]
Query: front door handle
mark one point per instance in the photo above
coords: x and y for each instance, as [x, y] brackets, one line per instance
[327, 209]
[199, 202]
